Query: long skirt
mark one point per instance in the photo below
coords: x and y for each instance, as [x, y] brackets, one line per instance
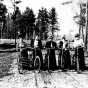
[80, 57]
[66, 59]
[52, 59]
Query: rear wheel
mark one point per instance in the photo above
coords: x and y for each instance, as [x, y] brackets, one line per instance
[48, 63]
[37, 63]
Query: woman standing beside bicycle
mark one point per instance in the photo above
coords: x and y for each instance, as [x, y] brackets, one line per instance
[36, 43]
[79, 44]
[21, 45]
[66, 61]
[51, 52]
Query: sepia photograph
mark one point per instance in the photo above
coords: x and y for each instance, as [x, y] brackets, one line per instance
[43, 43]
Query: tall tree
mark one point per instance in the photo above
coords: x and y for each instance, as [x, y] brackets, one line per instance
[8, 32]
[27, 21]
[3, 11]
[42, 21]
[53, 18]
[80, 19]
[16, 17]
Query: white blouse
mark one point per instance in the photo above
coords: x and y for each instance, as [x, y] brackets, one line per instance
[64, 43]
[35, 43]
[78, 43]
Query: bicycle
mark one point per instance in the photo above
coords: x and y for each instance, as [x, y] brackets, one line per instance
[20, 60]
[37, 61]
[65, 62]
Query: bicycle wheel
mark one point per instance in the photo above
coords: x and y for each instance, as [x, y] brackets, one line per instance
[48, 63]
[61, 62]
[20, 66]
[37, 63]
[77, 62]
[73, 62]
[77, 66]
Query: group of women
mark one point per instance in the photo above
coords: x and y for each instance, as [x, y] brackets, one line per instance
[63, 48]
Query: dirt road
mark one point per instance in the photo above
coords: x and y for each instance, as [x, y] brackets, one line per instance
[33, 79]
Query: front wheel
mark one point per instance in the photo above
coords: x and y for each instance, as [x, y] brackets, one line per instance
[37, 63]
[77, 66]
[20, 66]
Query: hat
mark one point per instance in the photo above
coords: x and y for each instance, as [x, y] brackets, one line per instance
[77, 35]
[36, 34]
[63, 37]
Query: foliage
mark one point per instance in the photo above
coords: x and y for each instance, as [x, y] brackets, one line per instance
[16, 16]
[3, 11]
[42, 21]
[53, 17]
[82, 18]
[27, 22]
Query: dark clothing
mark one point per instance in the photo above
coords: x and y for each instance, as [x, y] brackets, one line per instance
[80, 57]
[60, 44]
[66, 59]
[39, 44]
[52, 58]
[38, 51]
[65, 55]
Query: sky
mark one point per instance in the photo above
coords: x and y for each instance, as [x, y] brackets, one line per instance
[65, 12]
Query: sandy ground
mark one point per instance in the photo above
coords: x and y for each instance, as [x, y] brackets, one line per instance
[44, 79]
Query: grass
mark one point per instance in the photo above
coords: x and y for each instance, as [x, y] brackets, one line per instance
[6, 60]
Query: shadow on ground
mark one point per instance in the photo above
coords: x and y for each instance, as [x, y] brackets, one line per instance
[7, 46]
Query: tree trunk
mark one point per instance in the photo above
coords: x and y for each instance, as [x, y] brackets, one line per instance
[82, 33]
[26, 34]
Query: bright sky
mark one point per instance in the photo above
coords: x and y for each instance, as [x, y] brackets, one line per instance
[65, 12]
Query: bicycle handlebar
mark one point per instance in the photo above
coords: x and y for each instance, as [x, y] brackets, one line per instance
[54, 48]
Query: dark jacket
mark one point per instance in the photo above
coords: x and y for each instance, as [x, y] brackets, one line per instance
[48, 44]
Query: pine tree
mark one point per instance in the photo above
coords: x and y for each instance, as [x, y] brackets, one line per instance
[53, 18]
[42, 21]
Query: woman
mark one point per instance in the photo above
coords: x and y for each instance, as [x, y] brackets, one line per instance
[52, 59]
[65, 54]
[36, 43]
[78, 43]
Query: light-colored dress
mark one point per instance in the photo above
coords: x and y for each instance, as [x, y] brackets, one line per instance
[78, 43]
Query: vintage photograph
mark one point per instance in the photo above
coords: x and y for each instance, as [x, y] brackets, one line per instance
[43, 43]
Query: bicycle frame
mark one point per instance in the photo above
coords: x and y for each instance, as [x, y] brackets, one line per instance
[36, 57]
